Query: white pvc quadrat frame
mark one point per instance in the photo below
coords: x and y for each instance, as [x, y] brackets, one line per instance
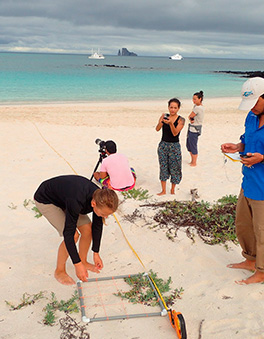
[85, 319]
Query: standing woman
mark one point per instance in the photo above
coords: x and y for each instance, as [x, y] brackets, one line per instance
[169, 149]
[195, 126]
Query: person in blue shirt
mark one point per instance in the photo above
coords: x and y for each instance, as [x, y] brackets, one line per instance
[250, 205]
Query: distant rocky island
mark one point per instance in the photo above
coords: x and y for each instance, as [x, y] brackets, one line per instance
[125, 52]
[246, 74]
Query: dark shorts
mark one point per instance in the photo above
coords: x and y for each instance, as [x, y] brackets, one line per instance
[191, 142]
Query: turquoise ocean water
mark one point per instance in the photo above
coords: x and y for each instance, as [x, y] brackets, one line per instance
[26, 78]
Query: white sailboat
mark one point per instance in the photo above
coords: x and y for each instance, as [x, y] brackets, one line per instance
[96, 55]
[176, 57]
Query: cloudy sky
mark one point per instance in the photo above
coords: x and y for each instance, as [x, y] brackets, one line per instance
[202, 28]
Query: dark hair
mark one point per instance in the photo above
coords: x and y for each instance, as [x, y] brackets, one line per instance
[177, 101]
[110, 146]
[199, 95]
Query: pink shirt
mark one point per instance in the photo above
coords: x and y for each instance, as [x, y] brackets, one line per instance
[118, 169]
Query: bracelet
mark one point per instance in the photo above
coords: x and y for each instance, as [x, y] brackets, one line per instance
[262, 162]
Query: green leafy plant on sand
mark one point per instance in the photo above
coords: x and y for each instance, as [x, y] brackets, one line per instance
[137, 194]
[26, 300]
[68, 306]
[12, 206]
[215, 224]
[142, 292]
[38, 214]
[228, 199]
[27, 203]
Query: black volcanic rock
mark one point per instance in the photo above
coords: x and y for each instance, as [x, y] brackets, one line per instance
[106, 65]
[246, 74]
[125, 52]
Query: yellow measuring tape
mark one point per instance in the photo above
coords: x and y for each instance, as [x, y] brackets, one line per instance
[53, 148]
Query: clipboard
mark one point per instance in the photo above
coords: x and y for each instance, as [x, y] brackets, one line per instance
[233, 156]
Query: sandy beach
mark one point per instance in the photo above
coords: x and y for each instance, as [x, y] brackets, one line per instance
[42, 141]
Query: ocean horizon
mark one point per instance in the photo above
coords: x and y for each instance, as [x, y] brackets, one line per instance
[63, 78]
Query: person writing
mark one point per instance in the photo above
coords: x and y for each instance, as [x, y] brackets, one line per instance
[65, 201]
[195, 127]
[115, 172]
[169, 149]
[250, 206]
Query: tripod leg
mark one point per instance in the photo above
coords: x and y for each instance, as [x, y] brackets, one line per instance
[98, 162]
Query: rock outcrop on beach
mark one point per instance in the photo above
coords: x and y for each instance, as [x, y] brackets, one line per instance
[125, 52]
[245, 74]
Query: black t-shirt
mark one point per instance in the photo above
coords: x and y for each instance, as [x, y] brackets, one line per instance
[167, 134]
[73, 194]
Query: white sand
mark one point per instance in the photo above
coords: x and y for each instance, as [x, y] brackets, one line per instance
[29, 245]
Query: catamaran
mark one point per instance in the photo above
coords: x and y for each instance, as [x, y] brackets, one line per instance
[96, 55]
[176, 57]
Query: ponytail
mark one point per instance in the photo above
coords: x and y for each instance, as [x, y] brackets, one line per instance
[200, 95]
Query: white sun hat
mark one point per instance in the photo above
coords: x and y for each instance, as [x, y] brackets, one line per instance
[252, 89]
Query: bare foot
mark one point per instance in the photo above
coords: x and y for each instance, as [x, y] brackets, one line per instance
[172, 192]
[63, 278]
[257, 277]
[192, 164]
[161, 193]
[91, 267]
[244, 265]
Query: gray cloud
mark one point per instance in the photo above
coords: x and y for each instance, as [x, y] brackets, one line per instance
[152, 27]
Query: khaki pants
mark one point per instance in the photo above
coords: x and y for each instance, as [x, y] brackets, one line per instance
[250, 229]
[56, 216]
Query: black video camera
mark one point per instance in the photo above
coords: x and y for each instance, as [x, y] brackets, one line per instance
[102, 147]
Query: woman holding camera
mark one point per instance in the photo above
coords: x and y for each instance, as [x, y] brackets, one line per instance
[169, 149]
[195, 126]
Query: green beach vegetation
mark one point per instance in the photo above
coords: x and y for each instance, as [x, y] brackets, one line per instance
[141, 291]
[213, 223]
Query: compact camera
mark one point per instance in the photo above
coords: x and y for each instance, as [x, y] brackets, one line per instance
[166, 116]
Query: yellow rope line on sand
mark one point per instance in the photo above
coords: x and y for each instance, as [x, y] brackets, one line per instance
[128, 241]
[159, 293]
[131, 247]
[54, 148]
